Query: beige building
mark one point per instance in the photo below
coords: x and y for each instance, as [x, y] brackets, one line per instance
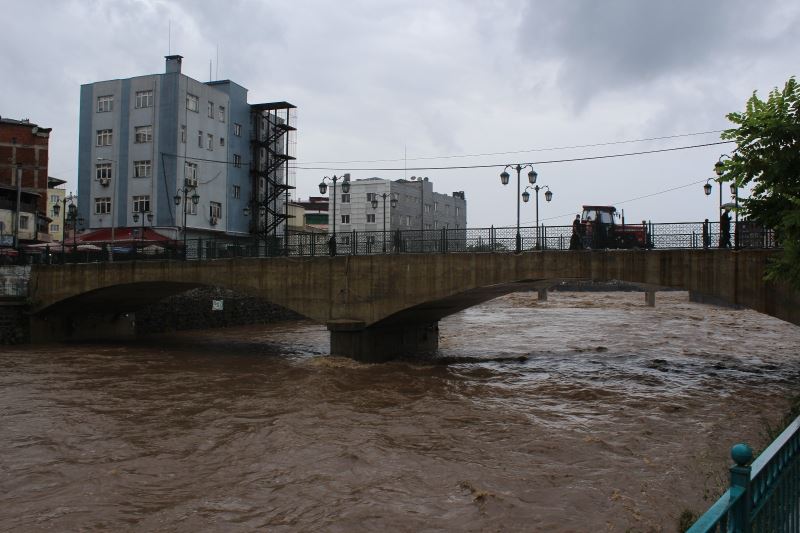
[55, 203]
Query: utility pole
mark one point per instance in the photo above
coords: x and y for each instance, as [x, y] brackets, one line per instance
[19, 207]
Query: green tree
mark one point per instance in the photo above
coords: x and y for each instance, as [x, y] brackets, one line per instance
[768, 156]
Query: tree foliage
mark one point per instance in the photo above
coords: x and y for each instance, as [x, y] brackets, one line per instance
[768, 157]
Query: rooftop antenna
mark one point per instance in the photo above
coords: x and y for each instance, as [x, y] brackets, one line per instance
[209, 71]
[405, 161]
[217, 71]
[169, 38]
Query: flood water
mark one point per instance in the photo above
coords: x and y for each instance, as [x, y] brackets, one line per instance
[588, 412]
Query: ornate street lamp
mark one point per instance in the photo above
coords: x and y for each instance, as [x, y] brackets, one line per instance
[195, 198]
[548, 196]
[504, 177]
[323, 188]
[149, 216]
[114, 174]
[393, 203]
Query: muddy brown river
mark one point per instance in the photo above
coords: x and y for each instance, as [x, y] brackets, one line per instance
[588, 412]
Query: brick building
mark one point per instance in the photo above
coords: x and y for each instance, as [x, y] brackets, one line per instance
[24, 149]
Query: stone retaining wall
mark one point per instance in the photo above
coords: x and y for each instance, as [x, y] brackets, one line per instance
[14, 323]
[192, 310]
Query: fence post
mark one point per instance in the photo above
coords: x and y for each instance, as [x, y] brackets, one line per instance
[706, 236]
[741, 454]
[491, 238]
[544, 237]
[354, 244]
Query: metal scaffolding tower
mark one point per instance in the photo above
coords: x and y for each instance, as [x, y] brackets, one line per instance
[273, 144]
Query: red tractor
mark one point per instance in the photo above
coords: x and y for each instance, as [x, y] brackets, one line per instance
[598, 228]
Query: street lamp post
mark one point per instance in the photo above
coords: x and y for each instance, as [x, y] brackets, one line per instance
[195, 200]
[719, 169]
[735, 194]
[114, 174]
[548, 195]
[393, 203]
[323, 188]
[149, 216]
[70, 215]
[504, 176]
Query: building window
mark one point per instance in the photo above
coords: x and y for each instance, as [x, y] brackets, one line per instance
[458, 210]
[142, 169]
[192, 103]
[54, 198]
[200, 138]
[215, 210]
[54, 228]
[435, 206]
[371, 218]
[221, 112]
[143, 134]
[105, 104]
[141, 204]
[210, 142]
[345, 219]
[211, 110]
[191, 208]
[102, 206]
[408, 220]
[222, 141]
[23, 222]
[237, 191]
[435, 224]
[103, 137]
[237, 129]
[102, 171]
[427, 208]
[183, 134]
[371, 196]
[237, 160]
[190, 174]
[144, 99]
[346, 198]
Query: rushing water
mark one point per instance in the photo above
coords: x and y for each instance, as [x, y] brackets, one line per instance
[589, 412]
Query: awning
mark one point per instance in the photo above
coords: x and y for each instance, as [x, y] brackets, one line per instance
[123, 235]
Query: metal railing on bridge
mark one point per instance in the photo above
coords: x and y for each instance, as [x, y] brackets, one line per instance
[764, 496]
[683, 235]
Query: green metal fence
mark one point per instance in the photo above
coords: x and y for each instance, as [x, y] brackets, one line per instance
[763, 496]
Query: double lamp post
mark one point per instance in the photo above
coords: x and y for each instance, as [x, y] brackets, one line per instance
[323, 188]
[532, 175]
[393, 203]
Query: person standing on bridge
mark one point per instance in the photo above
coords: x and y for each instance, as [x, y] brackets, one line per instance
[575, 240]
[725, 228]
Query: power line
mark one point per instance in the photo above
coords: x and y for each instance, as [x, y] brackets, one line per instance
[634, 199]
[496, 165]
[547, 149]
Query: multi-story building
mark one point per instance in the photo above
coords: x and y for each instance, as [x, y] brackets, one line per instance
[315, 213]
[418, 206]
[195, 155]
[55, 205]
[23, 173]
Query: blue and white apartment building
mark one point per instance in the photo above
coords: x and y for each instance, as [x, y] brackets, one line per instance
[146, 140]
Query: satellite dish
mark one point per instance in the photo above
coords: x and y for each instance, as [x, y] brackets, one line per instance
[35, 130]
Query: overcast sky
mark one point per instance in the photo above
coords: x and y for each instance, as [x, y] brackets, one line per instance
[376, 79]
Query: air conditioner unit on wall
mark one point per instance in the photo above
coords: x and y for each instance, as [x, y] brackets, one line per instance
[104, 182]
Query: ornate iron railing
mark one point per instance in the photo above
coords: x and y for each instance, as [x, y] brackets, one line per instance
[763, 497]
[684, 235]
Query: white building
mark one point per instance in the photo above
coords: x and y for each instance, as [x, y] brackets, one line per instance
[418, 207]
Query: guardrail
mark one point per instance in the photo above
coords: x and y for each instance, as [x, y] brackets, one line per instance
[683, 235]
[764, 496]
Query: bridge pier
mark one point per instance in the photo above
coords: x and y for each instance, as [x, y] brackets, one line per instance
[650, 298]
[56, 328]
[376, 344]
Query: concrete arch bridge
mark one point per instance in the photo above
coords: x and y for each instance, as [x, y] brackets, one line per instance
[378, 306]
